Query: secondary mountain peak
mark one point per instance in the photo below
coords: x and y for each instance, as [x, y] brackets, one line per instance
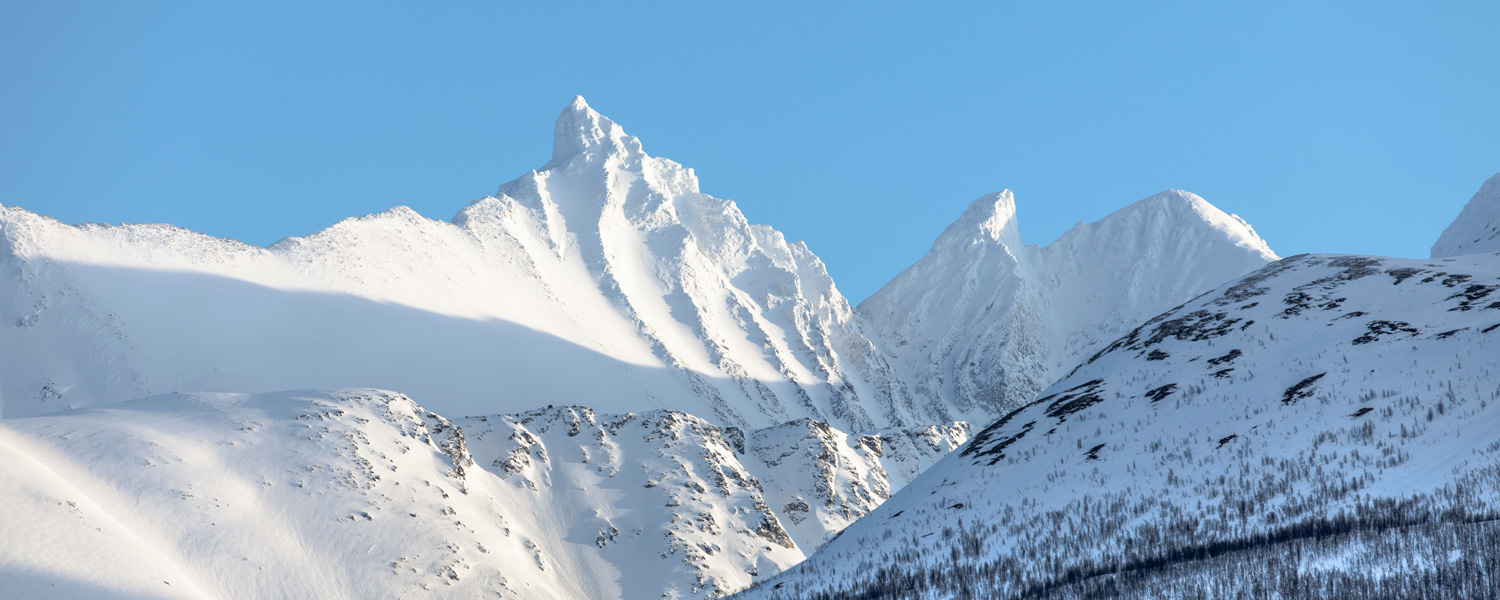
[983, 326]
[1477, 228]
[1175, 202]
[1178, 211]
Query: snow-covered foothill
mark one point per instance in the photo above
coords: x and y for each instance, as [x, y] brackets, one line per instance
[360, 493]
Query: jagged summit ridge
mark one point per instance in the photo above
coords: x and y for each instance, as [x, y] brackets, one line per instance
[990, 218]
[984, 322]
[606, 261]
[581, 129]
[1476, 230]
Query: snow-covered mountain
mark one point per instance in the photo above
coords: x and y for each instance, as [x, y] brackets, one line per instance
[362, 493]
[606, 262]
[1331, 406]
[1477, 228]
[1320, 428]
[983, 322]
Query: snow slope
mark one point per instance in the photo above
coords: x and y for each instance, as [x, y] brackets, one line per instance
[1320, 428]
[361, 493]
[606, 261]
[1477, 228]
[984, 323]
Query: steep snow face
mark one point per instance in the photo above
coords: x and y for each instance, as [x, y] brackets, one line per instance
[1325, 417]
[655, 504]
[1477, 228]
[364, 494]
[720, 507]
[751, 320]
[607, 262]
[820, 479]
[982, 323]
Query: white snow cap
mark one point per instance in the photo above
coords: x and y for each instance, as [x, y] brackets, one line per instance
[1180, 208]
[580, 129]
[1477, 228]
[991, 217]
[982, 322]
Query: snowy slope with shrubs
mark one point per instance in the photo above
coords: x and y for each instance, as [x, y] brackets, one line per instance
[983, 322]
[606, 260]
[1320, 428]
[364, 494]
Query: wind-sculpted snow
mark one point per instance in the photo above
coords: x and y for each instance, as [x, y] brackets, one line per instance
[1319, 428]
[1477, 228]
[364, 494]
[607, 261]
[984, 323]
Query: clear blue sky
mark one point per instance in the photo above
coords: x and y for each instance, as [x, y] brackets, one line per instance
[862, 129]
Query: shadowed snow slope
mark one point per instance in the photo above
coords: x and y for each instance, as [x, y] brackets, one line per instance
[1320, 428]
[607, 262]
[984, 323]
[361, 493]
[1477, 228]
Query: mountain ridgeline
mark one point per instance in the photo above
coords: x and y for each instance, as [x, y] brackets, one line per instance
[607, 261]
[1160, 405]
